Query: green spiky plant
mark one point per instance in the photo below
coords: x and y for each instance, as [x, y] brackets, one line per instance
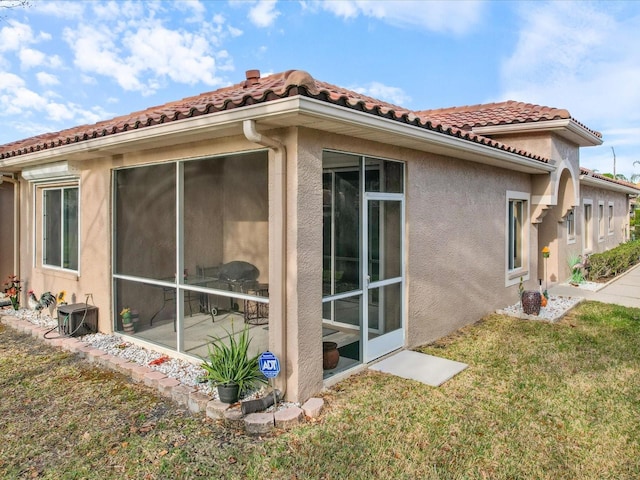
[576, 265]
[229, 362]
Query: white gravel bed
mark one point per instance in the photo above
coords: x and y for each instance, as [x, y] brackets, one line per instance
[556, 308]
[186, 372]
[590, 286]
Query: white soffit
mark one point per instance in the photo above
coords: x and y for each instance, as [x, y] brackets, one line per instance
[50, 171]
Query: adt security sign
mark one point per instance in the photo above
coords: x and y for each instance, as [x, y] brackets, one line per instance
[269, 364]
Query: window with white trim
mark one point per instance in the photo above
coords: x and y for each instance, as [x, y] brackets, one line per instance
[587, 226]
[571, 226]
[517, 237]
[600, 221]
[610, 219]
[60, 227]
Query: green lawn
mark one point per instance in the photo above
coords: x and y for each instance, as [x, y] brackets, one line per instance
[542, 401]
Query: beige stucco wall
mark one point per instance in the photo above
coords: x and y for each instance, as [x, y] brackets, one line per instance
[455, 230]
[6, 231]
[620, 212]
[456, 251]
[304, 262]
[455, 239]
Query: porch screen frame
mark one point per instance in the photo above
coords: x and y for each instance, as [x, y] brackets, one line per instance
[178, 282]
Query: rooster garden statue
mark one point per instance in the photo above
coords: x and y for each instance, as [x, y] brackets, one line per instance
[47, 299]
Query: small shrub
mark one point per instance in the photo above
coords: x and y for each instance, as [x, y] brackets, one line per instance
[613, 262]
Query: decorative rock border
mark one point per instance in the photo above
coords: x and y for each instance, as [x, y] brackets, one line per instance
[186, 396]
[556, 308]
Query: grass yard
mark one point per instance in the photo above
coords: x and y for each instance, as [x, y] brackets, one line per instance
[539, 401]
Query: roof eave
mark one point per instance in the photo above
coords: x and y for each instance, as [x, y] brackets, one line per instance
[567, 128]
[608, 185]
[418, 138]
[286, 112]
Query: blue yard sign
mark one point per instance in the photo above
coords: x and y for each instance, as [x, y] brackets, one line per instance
[269, 364]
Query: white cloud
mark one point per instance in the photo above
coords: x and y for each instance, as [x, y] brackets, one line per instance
[9, 81]
[582, 59]
[234, 32]
[46, 79]
[573, 58]
[59, 112]
[263, 14]
[16, 99]
[64, 9]
[194, 8]
[439, 16]
[88, 79]
[30, 58]
[96, 52]
[140, 53]
[15, 36]
[181, 56]
[389, 94]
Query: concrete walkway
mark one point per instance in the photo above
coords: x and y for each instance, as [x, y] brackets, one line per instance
[623, 290]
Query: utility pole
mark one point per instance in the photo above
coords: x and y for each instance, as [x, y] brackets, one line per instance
[614, 162]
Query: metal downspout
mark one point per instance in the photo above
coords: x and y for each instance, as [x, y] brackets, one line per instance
[280, 232]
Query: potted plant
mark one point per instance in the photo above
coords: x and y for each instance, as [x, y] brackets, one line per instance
[230, 367]
[127, 324]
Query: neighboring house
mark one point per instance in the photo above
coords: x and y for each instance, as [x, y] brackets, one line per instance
[331, 215]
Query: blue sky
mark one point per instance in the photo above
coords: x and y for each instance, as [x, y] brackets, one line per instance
[69, 63]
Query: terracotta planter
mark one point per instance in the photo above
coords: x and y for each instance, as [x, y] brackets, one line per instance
[128, 328]
[330, 355]
[531, 302]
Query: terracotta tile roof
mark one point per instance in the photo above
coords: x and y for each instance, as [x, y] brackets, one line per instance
[591, 173]
[502, 113]
[254, 90]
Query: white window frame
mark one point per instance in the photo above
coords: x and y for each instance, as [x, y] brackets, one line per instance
[601, 226]
[513, 275]
[570, 223]
[61, 188]
[587, 227]
[610, 219]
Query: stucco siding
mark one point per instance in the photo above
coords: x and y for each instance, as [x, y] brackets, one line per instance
[456, 244]
[620, 229]
[6, 231]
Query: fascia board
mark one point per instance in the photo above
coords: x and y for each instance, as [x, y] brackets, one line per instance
[433, 141]
[604, 184]
[154, 134]
[278, 113]
[565, 127]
